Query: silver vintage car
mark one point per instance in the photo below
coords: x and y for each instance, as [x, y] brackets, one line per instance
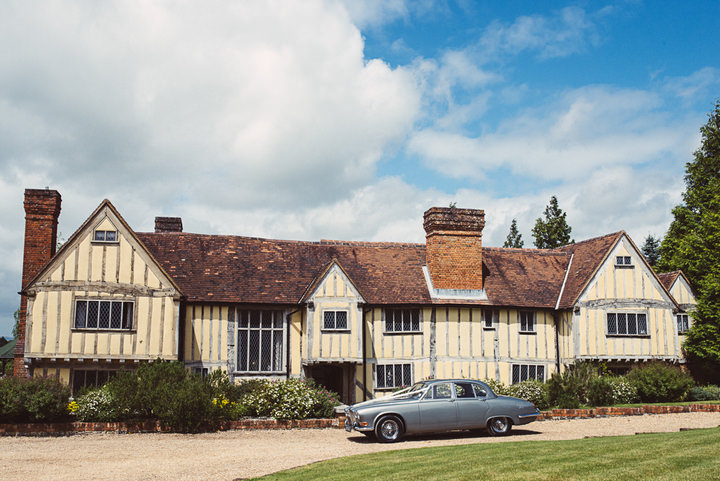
[439, 405]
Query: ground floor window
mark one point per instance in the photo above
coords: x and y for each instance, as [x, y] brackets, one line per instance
[523, 372]
[683, 323]
[260, 341]
[89, 378]
[391, 376]
[626, 324]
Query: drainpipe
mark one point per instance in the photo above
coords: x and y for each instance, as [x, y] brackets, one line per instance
[364, 353]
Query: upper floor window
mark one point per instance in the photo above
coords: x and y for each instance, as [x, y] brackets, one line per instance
[91, 314]
[105, 236]
[335, 320]
[683, 323]
[260, 341]
[402, 320]
[491, 317]
[623, 261]
[626, 324]
[527, 321]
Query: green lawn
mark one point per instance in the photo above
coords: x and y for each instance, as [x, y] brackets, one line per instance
[691, 455]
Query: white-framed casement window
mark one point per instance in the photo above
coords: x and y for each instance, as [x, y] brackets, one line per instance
[260, 341]
[105, 236]
[335, 320]
[626, 324]
[526, 319]
[490, 318]
[393, 376]
[523, 372]
[402, 320]
[683, 323]
[104, 314]
[623, 261]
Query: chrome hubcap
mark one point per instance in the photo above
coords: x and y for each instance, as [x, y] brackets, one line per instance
[390, 429]
[500, 425]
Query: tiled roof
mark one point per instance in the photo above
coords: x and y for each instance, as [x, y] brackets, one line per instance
[668, 278]
[238, 269]
[588, 255]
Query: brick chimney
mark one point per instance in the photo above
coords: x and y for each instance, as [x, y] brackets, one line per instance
[454, 247]
[168, 224]
[42, 209]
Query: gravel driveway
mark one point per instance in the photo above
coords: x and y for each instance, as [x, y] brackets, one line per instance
[243, 454]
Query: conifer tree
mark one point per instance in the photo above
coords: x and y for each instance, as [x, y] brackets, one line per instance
[651, 250]
[514, 237]
[554, 231]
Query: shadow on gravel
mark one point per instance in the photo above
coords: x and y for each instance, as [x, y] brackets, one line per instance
[516, 433]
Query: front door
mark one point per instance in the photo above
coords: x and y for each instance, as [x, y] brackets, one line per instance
[332, 377]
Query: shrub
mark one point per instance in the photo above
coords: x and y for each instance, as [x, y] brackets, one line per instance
[600, 391]
[531, 390]
[96, 405]
[658, 382]
[704, 393]
[32, 400]
[289, 399]
[497, 387]
[578, 385]
[623, 390]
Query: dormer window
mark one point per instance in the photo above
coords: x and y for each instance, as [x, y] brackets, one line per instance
[623, 261]
[105, 236]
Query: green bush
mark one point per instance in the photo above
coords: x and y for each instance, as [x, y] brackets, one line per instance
[289, 399]
[600, 391]
[623, 390]
[497, 387]
[704, 393]
[25, 400]
[660, 382]
[531, 390]
[96, 405]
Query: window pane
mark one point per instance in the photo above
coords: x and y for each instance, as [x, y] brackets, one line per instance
[398, 321]
[92, 316]
[611, 323]
[99, 235]
[104, 315]
[266, 351]
[329, 320]
[254, 351]
[278, 316]
[255, 319]
[267, 319]
[116, 315]
[622, 323]
[127, 315]
[243, 320]
[415, 320]
[380, 374]
[523, 372]
[341, 320]
[642, 324]
[407, 375]
[632, 324]
[110, 236]
[515, 373]
[541, 373]
[242, 350]
[532, 372]
[278, 351]
[389, 321]
[80, 313]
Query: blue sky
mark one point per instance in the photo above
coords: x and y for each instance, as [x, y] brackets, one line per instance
[347, 119]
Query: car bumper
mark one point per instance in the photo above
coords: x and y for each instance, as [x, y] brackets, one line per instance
[528, 418]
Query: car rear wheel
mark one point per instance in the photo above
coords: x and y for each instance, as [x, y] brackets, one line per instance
[389, 429]
[499, 426]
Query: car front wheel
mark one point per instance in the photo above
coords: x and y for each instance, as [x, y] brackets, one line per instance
[499, 426]
[389, 429]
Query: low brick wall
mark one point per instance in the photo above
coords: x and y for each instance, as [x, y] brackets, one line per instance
[61, 429]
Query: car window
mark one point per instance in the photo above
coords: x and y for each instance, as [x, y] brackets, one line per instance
[442, 391]
[464, 390]
[479, 390]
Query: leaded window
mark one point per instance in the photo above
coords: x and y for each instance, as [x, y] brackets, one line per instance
[623, 261]
[527, 321]
[523, 372]
[391, 376]
[402, 320]
[105, 236]
[260, 341]
[97, 314]
[683, 323]
[335, 320]
[491, 317]
[626, 324]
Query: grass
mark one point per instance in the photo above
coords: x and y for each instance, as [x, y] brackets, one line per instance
[691, 455]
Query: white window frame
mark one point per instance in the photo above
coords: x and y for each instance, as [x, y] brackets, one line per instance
[527, 326]
[334, 326]
[490, 318]
[629, 319]
[406, 324]
[385, 372]
[269, 325]
[523, 372]
[683, 323]
[623, 261]
[82, 313]
[100, 235]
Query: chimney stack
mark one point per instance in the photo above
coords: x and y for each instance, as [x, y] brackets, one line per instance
[453, 250]
[168, 224]
[42, 209]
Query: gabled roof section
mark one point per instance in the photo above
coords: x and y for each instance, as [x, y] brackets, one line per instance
[253, 270]
[524, 277]
[315, 284]
[588, 256]
[669, 278]
[91, 221]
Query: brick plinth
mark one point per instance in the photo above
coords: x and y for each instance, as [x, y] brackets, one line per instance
[453, 247]
[42, 209]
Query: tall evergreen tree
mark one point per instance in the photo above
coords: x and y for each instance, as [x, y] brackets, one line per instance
[651, 250]
[692, 244]
[554, 231]
[514, 237]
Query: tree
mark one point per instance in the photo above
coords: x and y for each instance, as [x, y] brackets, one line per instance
[554, 231]
[651, 250]
[16, 327]
[692, 244]
[514, 238]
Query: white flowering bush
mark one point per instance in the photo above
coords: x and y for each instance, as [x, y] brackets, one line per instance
[289, 399]
[498, 388]
[623, 391]
[97, 405]
[531, 390]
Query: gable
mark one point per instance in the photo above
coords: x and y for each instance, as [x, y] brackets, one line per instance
[104, 253]
[335, 283]
[683, 292]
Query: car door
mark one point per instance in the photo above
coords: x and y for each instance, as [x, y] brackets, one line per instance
[471, 405]
[437, 408]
